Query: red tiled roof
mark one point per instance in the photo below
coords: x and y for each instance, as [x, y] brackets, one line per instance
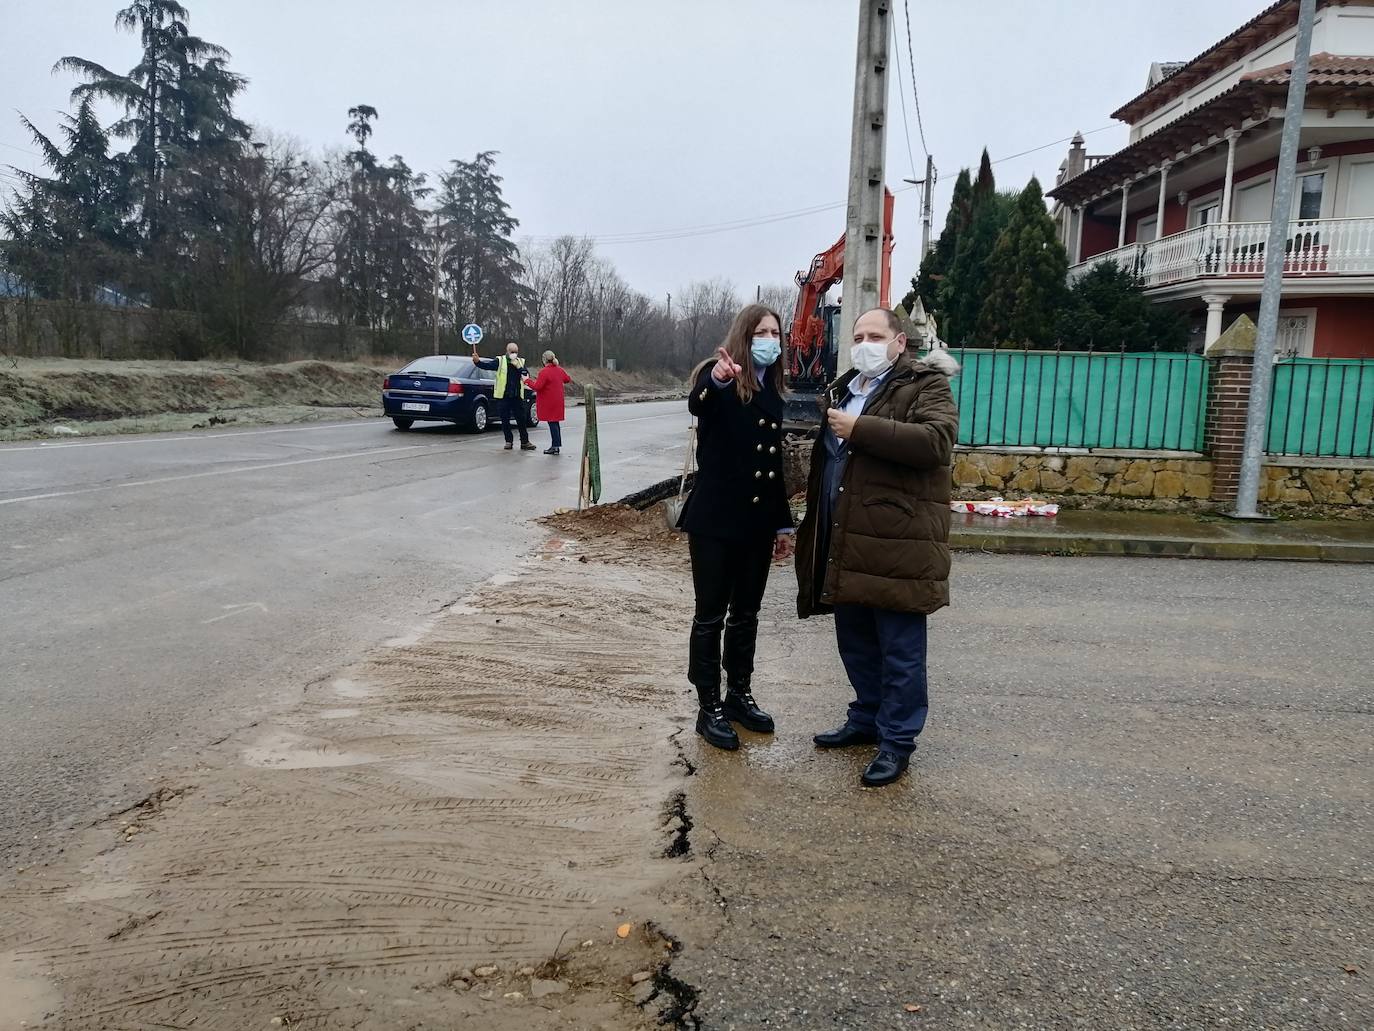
[1325, 70]
[1335, 83]
[1272, 21]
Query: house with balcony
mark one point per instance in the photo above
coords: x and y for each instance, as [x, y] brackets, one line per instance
[1186, 204]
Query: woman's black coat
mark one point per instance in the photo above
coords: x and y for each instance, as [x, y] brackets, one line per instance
[739, 492]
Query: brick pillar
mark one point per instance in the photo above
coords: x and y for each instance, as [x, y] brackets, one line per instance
[1228, 403]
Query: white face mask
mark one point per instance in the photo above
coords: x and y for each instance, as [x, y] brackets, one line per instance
[870, 359]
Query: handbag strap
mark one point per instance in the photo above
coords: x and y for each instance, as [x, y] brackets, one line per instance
[688, 459]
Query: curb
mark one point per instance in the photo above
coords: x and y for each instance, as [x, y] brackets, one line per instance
[1159, 547]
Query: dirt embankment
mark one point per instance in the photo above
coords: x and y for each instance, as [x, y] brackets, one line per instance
[464, 830]
[54, 396]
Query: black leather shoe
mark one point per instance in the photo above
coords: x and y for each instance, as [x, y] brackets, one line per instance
[846, 737]
[552, 451]
[741, 708]
[885, 768]
[716, 729]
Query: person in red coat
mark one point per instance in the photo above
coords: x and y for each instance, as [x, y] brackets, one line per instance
[548, 399]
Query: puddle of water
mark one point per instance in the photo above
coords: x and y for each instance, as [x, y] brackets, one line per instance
[339, 714]
[280, 750]
[26, 997]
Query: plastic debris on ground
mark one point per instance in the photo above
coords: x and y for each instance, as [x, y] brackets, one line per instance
[1006, 509]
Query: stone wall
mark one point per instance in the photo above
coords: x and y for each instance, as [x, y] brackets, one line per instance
[1126, 475]
[1318, 485]
[1139, 480]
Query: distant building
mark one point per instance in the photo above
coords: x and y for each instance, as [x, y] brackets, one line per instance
[1186, 204]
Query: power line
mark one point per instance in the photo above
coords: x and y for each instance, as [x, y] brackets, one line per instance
[22, 150]
[901, 93]
[657, 236]
[1053, 143]
[911, 60]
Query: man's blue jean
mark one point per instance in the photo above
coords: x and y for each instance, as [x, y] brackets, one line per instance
[884, 653]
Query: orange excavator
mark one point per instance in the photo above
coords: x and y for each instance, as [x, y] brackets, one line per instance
[811, 343]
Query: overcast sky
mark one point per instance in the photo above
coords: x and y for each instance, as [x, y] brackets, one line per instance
[631, 116]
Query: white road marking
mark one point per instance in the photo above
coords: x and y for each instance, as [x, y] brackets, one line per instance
[236, 610]
[369, 422]
[359, 424]
[211, 472]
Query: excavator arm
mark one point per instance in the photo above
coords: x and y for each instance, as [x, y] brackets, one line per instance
[810, 349]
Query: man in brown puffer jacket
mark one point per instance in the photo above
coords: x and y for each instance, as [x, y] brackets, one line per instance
[874, 546]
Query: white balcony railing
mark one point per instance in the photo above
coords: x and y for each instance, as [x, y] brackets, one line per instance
[1320, 247]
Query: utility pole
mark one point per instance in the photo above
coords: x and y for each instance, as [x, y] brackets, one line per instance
[863, 230]
[927, 203]
[927, 206]
[1262, 373]
[438, 259]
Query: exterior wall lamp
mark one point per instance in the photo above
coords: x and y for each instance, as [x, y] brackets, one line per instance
[1314, 154]
[1182, 197]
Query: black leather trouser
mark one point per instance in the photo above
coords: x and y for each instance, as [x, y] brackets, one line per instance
[729, 577]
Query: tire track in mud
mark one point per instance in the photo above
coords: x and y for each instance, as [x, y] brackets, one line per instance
[465, 798]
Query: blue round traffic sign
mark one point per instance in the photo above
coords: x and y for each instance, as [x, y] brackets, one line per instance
[472, 333]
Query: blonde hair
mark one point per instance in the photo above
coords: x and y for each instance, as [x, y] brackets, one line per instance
[549, 358]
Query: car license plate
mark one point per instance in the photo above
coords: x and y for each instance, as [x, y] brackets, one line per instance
[413, 406]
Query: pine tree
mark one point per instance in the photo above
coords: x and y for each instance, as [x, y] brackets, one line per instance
[1025, 277]
[1107, 308]
[71, 235]
[985, 185]
[176, 100]
[385, 274]
[481, 267]
[936, 264]
[960, 296]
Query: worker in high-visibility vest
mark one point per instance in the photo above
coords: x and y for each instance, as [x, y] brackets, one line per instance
[511, 391]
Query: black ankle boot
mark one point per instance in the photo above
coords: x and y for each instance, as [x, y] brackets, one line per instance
[715, 728]
[742, 709]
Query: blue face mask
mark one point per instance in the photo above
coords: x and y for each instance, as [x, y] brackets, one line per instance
[765, 351]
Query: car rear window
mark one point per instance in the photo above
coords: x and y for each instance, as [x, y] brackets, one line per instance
[434, 365]
[441, 365]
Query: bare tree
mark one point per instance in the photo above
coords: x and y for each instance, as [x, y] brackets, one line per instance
[706, 308]
[782, 298]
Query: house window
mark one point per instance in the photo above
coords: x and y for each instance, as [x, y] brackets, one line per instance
[1310, 196]
[1296, 330]
[1147, 230]
[1207, 214]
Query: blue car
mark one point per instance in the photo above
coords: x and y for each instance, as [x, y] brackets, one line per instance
[444, 388]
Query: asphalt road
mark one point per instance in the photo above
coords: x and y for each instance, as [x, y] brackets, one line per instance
[1143, 801]
[159, 591]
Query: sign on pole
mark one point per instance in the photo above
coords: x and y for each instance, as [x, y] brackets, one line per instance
[472, 333]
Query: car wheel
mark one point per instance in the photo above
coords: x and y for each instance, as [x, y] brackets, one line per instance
[402, 424]
[480, 419]
[531, 419]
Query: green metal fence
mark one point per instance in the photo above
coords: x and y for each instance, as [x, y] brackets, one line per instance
[1148, 401]
[1322, 407]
